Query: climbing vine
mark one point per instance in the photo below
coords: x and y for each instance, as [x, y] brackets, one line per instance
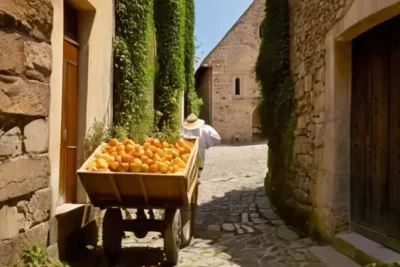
[170, 29]
[134, 68]
[273, 74]
[193, 102]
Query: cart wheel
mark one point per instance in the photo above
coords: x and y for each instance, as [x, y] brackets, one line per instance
[112, 234]
[172, 236]
[188, 220]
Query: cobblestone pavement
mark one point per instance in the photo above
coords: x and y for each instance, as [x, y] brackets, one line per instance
[235, 224]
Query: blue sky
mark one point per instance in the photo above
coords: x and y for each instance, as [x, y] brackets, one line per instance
[214, 18]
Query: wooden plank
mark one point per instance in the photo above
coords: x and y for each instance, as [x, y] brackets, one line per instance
[144, 191]
[115, 188]
[380, 132]
[394, 161]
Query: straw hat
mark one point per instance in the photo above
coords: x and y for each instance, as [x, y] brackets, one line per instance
[192, 122]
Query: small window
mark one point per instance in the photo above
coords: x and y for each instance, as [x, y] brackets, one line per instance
[237, 86]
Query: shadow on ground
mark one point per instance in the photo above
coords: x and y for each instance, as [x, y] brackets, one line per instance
[250, 241]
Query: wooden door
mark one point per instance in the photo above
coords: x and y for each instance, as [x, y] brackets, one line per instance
[69, 121]
[375, 144]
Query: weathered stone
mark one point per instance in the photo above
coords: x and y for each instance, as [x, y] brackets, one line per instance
[8, 222]
[228, 227]
[245, 217]
[35, 75]
[22, 176]
[286, 234]
[11, 53]
[38, 57]
[263, 203]
[38, 207]
[269, 214]
[214, 228]
[10, 146]
[308, 83]
[11, 250]
[34, 17]
[19, 97]
[37, 136]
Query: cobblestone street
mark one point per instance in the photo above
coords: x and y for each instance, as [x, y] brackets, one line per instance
[235, 224]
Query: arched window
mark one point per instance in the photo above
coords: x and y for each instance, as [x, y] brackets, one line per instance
[237, 86]
[261, 31]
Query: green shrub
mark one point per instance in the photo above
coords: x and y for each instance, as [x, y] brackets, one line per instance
[36, 256]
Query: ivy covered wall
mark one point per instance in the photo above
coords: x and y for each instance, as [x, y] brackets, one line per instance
[193, 102]
[154, 54]
[278, 119]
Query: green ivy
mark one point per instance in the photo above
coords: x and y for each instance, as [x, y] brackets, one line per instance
[134, 68]
[170, 29]
[278, 118]
[192, 100]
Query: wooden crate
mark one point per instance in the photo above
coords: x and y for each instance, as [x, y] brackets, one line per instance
[141, 190]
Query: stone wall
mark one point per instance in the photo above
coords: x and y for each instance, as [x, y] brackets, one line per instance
[310, 21]
[25, 69]
[235, 57]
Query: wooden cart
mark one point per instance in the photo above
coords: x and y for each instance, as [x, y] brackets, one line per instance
[176, 193]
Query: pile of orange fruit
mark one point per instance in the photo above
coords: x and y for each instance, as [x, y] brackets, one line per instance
[153, 156]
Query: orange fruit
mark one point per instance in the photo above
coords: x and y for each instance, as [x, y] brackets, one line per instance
[138, 148]
[137, 161]
[127, 158]
[153, 149]
[160, 152]
[145, 167]
[149, 153]
[129, 148]
[144, 158]
[121, 153]
[128, 142]
[114, 165]
[135, 168]
[150, 161]
[101, 164]
[171, 169]
[165, 144]
[185, 157]
[123, 167]
[168, 157]
[120, 148]
[114, 154]
[154, 168]
[113, 142]
[157, 143]
[146, 145]
[112, 149]
[163, 169]
[150, 140]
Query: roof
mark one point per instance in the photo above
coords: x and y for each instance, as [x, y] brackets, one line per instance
[202, 64]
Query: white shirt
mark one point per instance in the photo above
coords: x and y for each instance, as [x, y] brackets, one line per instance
[208, 137]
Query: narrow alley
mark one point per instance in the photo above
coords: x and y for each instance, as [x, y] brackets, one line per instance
[235, 223]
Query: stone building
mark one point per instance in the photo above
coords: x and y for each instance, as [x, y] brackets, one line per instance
[345, 58]
[226, 82]
[55, 59]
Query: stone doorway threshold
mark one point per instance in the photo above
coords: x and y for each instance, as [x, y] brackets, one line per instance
[363, 250]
